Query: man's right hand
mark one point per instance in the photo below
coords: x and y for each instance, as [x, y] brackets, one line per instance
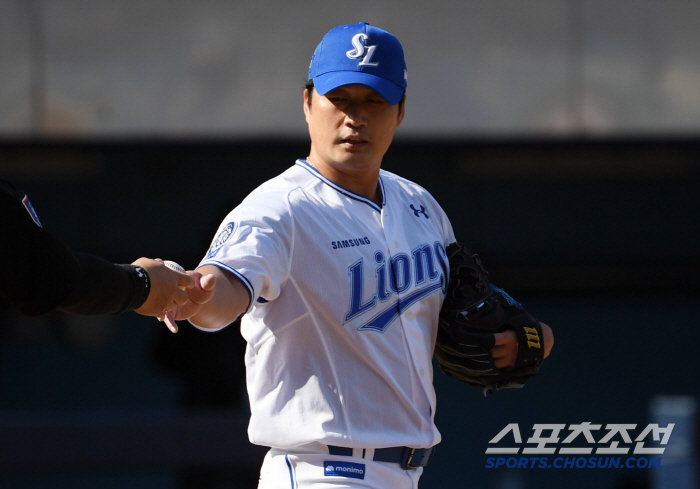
[200, 294]
[217, 300]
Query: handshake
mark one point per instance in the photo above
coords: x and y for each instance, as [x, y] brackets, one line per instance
[174, 293]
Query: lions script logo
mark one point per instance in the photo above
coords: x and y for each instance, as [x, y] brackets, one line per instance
[344, 469]
[425, 269]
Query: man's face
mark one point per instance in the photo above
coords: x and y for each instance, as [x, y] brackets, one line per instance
[351, 127]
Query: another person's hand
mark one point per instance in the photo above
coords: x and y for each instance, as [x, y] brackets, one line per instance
[168, 288]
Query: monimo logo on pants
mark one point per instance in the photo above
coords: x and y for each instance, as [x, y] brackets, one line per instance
[344, 469]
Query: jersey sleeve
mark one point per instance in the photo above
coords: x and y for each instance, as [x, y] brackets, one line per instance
[254, 243]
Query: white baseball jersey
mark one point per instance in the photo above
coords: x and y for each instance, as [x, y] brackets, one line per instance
[345, 295]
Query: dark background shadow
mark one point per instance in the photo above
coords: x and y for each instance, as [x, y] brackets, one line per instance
[598, 238]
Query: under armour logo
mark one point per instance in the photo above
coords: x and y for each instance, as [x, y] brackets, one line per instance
[359, 50]
[417, 212]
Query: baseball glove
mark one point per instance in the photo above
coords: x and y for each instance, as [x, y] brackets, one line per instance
[473, 311]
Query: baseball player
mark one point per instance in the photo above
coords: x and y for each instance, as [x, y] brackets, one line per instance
[339, 270]
[39, 273]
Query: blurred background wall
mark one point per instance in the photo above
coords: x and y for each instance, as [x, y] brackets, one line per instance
[234, 69]
[562, 138]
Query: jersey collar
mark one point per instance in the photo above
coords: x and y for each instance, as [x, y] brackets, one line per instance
[348, 193]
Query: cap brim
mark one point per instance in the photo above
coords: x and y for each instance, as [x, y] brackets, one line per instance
[389, 91]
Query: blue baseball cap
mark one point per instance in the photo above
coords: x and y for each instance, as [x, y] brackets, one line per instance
[360, 54]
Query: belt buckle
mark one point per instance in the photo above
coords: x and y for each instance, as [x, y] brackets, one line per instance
[409, 459]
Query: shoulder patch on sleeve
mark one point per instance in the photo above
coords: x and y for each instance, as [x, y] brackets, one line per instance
[223, 236]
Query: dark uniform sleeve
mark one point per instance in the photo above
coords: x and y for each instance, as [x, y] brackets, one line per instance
[38, 273]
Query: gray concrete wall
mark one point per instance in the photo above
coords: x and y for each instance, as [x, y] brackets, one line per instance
[124, 68]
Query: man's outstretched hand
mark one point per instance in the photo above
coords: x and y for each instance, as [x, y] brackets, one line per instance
[200, 294]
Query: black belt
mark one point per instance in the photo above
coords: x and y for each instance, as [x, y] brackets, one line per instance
[408, 458]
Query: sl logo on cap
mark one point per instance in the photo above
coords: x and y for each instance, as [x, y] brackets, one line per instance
[359, 50]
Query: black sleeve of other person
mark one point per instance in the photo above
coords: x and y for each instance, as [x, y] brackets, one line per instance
[38, 273]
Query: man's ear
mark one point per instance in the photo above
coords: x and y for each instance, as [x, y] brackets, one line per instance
[402, 109]
[307, 104]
